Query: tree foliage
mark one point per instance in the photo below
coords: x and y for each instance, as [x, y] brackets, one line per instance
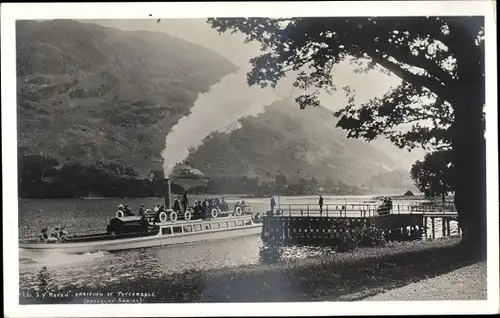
[434, 175]
[423, 51]
[438, 105]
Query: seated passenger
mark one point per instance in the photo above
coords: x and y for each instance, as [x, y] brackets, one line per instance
[223, 205]
[128, 211]
[204, 208]
[157, 208]
[141, 210]
[256, 217]
[54, 236]
[63, 235]
[55, 233]
[44, 236]
[162, 208]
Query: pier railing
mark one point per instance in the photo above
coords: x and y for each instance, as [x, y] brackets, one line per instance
[361, 209]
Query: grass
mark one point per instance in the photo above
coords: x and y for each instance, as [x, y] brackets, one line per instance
[335, 277]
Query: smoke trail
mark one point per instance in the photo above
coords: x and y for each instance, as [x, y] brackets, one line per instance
[218, 110]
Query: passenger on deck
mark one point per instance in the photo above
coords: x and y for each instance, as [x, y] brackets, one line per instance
[128, 211]
[217, 203]
[256, 217]
[185, 201]
[141, 210]
[63, 235]
[44, 236]
[197, 207]
[273, 203]
[157, 208]
[320, 203]
[204, 208]
[223, 205]
[176, 205]
[55, 233]
[162, 208]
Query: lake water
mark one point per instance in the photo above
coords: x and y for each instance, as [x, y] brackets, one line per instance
[102, 268]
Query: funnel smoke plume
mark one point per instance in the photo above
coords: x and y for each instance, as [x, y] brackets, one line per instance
[218, 110]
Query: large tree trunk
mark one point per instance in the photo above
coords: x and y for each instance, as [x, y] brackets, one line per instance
[469, 148]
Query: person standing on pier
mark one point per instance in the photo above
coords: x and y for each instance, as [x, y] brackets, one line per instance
[320, 203]
[273, 204]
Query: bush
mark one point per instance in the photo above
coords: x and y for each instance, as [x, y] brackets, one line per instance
[367, 236]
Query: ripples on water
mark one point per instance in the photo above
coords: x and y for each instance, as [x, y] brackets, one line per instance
[104, 268]
[59, 270]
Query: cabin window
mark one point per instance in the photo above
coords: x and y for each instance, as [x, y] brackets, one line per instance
[166, 230]
[248, 222]
[239, 223]
[177, 229]
[188, 228]
[223, 225]
[215, 225]
[197, 227]
[231, 223]
[206, 226]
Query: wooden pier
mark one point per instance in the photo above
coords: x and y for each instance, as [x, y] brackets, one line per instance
[314, 227]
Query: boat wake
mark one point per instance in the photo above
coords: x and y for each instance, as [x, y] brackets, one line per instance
[54, 258]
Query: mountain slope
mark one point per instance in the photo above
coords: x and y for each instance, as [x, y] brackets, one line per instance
[302, 143]
[87, 93]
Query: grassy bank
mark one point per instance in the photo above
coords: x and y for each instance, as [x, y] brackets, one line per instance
[335, 277]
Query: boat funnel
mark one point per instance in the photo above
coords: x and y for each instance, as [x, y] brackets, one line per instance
[168, 194]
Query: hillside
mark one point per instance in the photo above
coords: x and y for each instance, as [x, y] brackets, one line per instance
[87, 93]
[301, 143]
[106, 93]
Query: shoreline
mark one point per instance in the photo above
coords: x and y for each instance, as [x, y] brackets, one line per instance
[366, 197]
[333, 277]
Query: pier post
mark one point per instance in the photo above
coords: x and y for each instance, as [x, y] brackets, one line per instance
[433, 230]
[443, 226]
[448, 227]
[308, 210]
[290, 209]
[327, 210]
[425, 226]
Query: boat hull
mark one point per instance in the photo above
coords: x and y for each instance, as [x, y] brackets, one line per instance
[144, 242]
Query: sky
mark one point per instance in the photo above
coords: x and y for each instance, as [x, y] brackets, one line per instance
[232, 47]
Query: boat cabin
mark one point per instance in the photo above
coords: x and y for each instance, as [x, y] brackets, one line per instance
[205, 226]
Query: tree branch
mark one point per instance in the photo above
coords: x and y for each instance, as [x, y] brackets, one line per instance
[417, 80]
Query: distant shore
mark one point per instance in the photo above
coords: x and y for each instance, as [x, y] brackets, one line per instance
[334, 277]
